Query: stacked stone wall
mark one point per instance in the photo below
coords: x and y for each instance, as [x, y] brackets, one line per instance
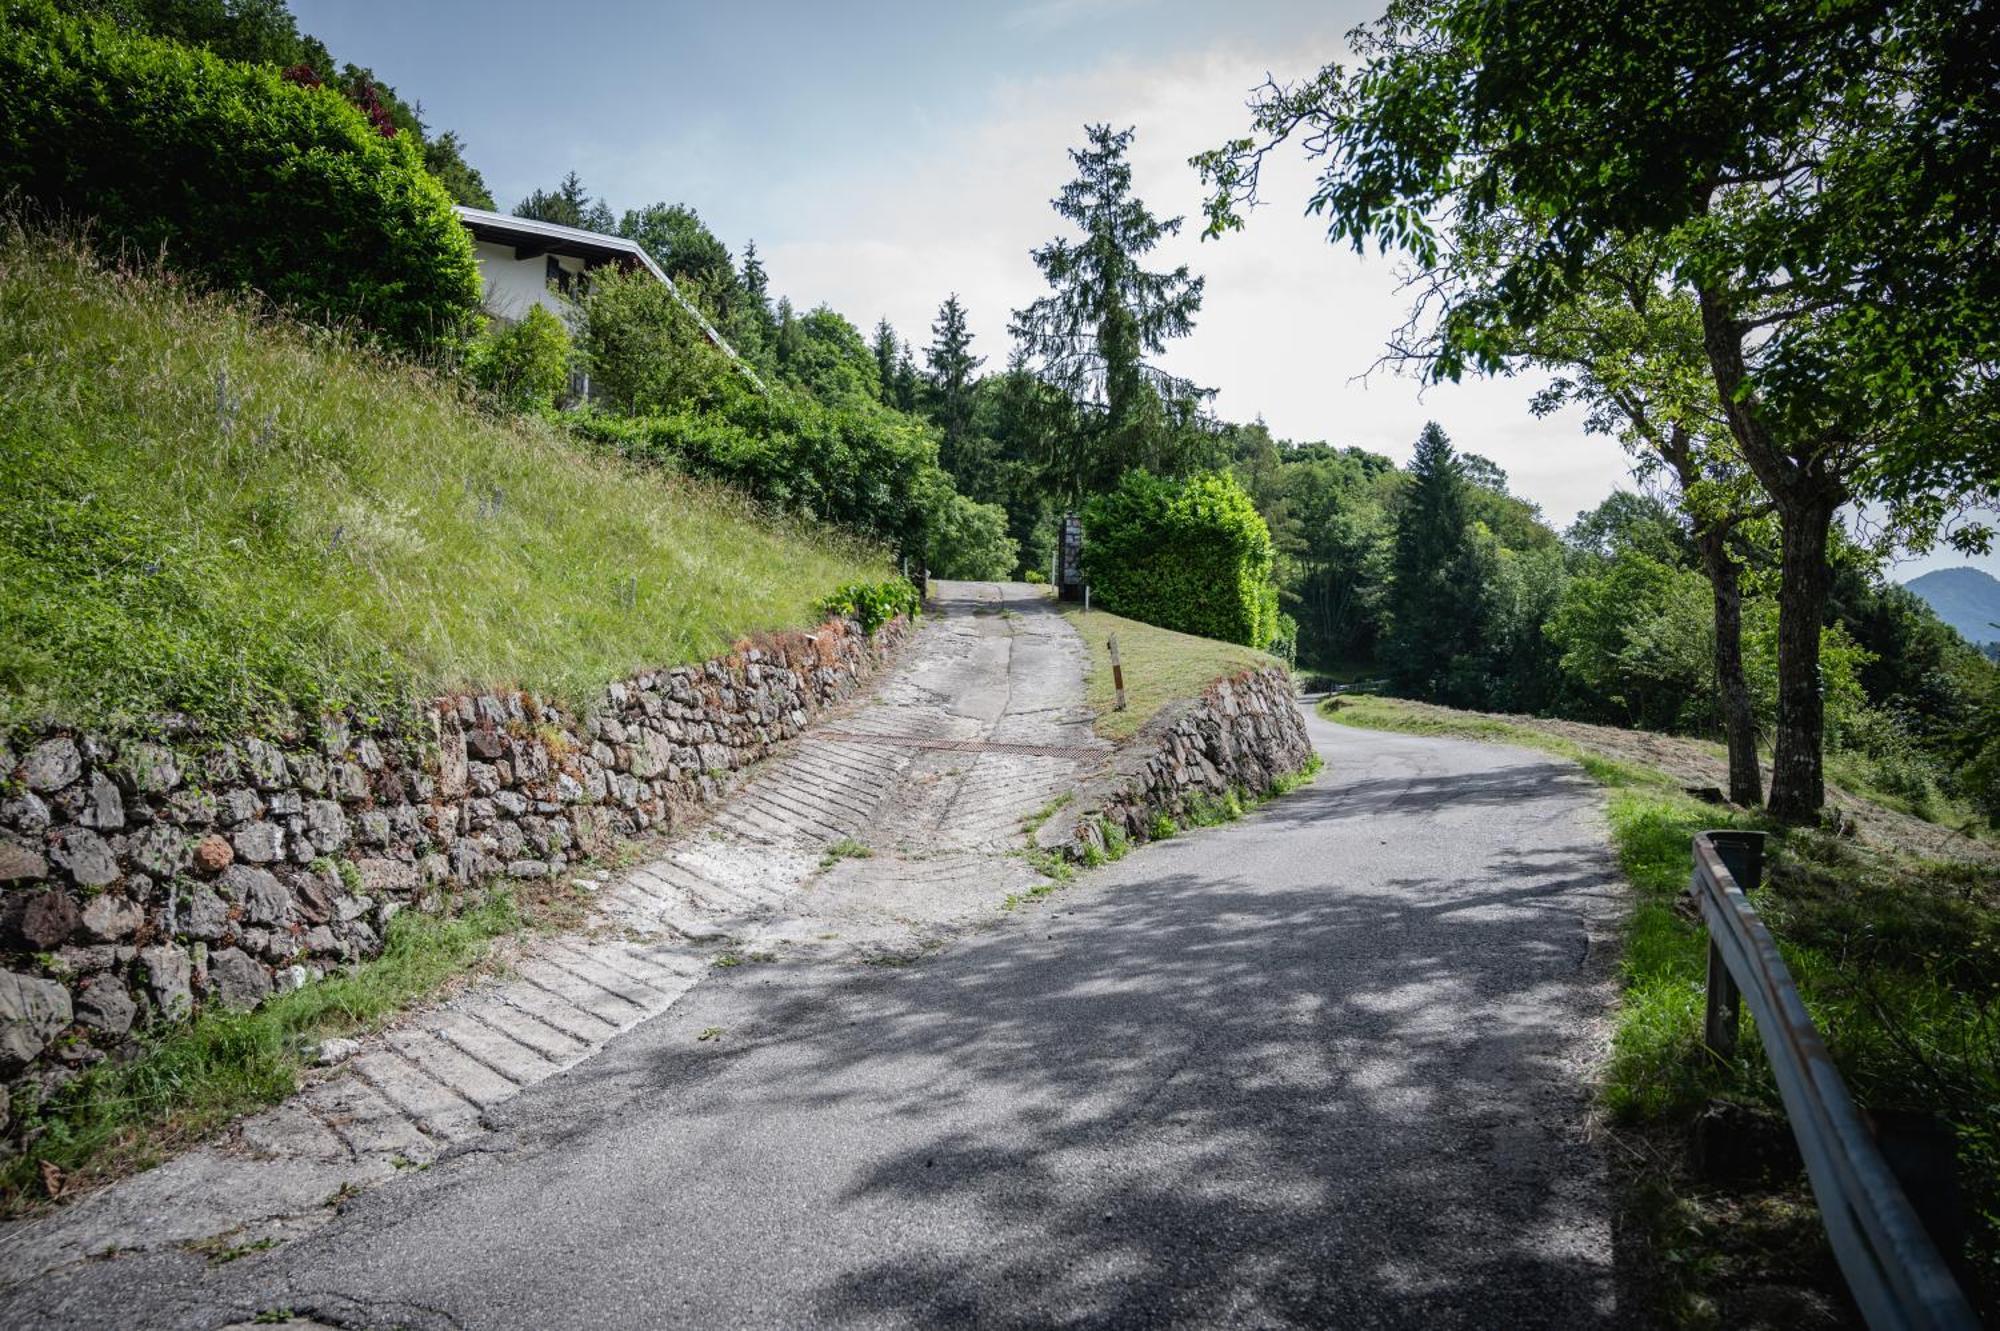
[143, 878]
[1244, 733]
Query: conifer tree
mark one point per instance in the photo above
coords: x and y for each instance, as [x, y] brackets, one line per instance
[906, 380]
[951, 365]
[885, 360]
[1105, 315]
[1433, 588]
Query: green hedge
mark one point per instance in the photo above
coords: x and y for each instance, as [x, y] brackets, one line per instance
[865, 468]
[232, 172]
[1190, 555]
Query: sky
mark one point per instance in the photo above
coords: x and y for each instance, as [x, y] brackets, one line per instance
[885, 155]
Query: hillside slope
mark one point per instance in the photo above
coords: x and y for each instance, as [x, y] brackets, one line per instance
[207, 512]
[1967, 598]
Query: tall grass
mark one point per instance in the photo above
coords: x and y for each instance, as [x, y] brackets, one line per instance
[210, 511]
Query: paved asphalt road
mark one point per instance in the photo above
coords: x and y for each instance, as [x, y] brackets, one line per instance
[1321, 1067]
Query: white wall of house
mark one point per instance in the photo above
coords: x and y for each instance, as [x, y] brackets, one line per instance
[512, 284]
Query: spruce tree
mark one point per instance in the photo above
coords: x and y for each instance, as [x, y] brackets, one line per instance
[951, 363]
[568, 204]
[885, 360]
[789, 341]
[1105, 314]
[906, 380]
[1433, 588]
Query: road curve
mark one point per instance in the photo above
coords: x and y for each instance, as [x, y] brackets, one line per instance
[1325, 1066]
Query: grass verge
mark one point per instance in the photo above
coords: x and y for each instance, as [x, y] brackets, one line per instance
[191, 1079]
[1898, 959]
[209, 511]
[1161, 666]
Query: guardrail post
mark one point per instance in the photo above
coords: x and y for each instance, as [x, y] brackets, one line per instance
[1743, 853]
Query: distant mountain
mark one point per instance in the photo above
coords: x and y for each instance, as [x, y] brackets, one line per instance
[1965, 598]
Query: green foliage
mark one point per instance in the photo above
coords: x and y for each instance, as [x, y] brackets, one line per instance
[187, 1080]
[525, 364]
[689, 253]
[1191, 555]
[970, 540]
[1104, 316]
[644, 350]
[263, 32]
[950, 388]
[444, 157]
[856, 465]
[826, 355]
[873, 604]
[568, 204]
[1434, 577]
[208, 512]
[233, 173]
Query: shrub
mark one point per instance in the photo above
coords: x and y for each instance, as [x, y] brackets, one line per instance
[644, 350]
[969, 540]
[525, 364]
[873, 604]
[1035, 575]
[859, 466]
[1190, 555]
[232, 172]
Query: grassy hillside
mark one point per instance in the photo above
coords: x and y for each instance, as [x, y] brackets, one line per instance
[206, 512]
[1160, 667]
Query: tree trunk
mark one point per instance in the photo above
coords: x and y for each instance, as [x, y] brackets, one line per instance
[1798, 783]
[1739, 720]
[1807, 494]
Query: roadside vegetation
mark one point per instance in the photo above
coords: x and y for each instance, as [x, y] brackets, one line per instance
[187, 1081]
[1898, 955]
[210, 512]
[1161, 666]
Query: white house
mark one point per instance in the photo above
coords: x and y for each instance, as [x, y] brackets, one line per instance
[523, 262]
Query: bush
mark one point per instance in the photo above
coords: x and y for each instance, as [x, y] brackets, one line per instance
[969, 540]
[1190, 555]
[859, 466]
[873, 604]
[645, 352]
[525, 364]
[233, 173]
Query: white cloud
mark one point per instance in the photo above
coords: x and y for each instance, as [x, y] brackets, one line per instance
[1289, 322]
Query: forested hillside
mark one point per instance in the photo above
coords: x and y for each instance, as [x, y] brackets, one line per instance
[1964, 598]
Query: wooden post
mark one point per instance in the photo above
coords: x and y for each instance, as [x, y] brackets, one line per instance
[1117, 674]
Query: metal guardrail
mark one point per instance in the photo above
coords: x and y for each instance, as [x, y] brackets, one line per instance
[1897, 1276]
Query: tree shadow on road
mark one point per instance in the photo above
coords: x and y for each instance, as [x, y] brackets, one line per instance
[1196, 1102]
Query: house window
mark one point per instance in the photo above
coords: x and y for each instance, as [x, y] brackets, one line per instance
[561, 278]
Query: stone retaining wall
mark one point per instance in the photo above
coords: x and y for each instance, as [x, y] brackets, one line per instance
[142, 879]
[1243, 733]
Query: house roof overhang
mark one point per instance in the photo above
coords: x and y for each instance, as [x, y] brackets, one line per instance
[525, 233]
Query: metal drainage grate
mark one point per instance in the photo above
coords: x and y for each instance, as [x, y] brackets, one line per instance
[955, 745]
